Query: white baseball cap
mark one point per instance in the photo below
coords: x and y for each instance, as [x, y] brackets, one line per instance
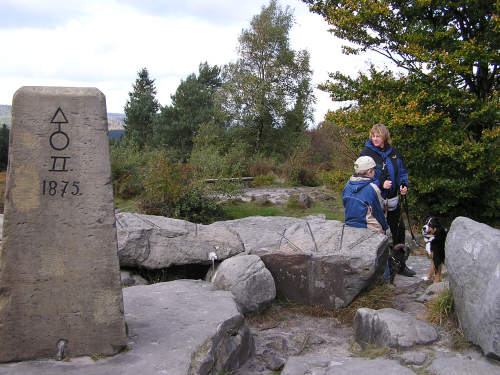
[363, 163]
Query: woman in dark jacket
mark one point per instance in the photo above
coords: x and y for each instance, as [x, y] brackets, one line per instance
[392, 178]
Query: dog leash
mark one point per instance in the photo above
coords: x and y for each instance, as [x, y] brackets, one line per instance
[405, 206]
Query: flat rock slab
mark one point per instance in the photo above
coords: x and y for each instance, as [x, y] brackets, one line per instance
[464, 365]
[281, 195]
[174, 328]
[342, 366]
[392, 328]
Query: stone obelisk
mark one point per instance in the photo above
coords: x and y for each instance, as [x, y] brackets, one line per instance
[59, 270]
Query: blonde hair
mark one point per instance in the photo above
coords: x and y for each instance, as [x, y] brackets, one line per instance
[381, 129]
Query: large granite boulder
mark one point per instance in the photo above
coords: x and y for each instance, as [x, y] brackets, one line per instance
[155, 242]
[473, 263]
[314, 260]
[178, 327]
[392, 328]
[248, 279]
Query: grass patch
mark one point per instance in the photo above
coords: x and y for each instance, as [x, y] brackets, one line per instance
[237, 209]
[127, 205]
[240, 210]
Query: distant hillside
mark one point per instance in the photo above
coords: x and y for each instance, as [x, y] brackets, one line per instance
[115, 120]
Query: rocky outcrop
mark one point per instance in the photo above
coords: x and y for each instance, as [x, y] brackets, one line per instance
[314, 260]
[248, 279]
[392, 328]
[155, 242]
[178, 327]
[473, 262]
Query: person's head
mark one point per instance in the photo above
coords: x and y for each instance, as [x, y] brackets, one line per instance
[380, 136]
[364, 166]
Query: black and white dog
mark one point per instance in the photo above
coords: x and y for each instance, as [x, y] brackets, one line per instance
[435, 237]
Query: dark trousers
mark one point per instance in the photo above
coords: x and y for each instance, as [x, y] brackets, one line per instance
[397, 225]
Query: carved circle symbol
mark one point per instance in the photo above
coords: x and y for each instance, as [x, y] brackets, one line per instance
[60, 142]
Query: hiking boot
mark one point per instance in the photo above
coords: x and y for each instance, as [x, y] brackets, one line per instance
[406, 271]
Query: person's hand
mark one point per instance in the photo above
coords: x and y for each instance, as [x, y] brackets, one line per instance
[403, 190]
[387, 184]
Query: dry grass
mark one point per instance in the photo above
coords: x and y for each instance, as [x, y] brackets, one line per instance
[441, 311]
[376, 297]
[440, 308]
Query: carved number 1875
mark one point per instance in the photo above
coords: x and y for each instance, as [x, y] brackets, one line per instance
[63, 187]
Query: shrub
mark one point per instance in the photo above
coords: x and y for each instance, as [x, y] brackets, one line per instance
[262, 165]
[127, 165]
[263, 180]
[170, 191]
[335, 180]
[299, 169]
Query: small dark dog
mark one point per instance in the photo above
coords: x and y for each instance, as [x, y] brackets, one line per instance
[397, 258]
[435, 237]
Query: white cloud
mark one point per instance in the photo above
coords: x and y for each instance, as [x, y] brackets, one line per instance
[105, 43]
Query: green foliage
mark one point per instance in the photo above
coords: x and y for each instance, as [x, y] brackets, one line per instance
[267, 92]
[140, 110]
[4, 147]
[216, 154]
[298, 169]
[192, 106]
[263, 180]
[170, 191]
[127, 164]
[335, 179]
[443, 112]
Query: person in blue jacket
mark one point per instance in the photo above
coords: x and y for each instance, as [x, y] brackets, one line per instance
[362, 198]
[392, 178]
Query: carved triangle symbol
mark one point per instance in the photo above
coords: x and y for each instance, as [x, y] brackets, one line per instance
[59, 117]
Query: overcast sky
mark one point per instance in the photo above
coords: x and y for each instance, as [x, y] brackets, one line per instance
[104, 43]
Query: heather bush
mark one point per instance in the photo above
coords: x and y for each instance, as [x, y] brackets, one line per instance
[127, 166]
[171, 191]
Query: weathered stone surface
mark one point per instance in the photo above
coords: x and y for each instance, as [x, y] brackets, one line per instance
[248, 279]
[179, 327]
[314, 260]
[473, 262]
[155, 242]
[392, 328]
[59, 276]
[463, 365]
[433, 291]
[342, 366]
[412, 358]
